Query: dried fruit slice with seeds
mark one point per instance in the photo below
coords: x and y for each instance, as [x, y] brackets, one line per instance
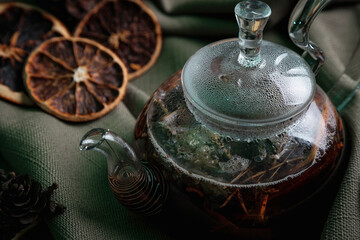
[127, 27]
[23, 27]
[75, 79]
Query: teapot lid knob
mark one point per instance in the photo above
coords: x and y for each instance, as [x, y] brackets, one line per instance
[251, 17]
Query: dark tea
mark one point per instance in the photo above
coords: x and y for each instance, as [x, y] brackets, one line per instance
[241, 183]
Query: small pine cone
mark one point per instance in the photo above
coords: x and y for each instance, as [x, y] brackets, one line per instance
[23, 202]
[22, 199]
[5, 177]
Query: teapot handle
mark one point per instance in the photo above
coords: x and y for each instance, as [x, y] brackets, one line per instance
[300, 21]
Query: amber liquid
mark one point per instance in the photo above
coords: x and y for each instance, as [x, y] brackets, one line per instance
[252, 201]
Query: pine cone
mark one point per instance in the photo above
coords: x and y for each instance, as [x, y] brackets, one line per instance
[23, 202]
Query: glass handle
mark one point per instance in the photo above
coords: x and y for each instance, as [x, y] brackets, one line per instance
[299, 25]
[348, 84]
[251, 16]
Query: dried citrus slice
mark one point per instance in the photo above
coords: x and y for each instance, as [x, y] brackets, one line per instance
[127, 27]
[23, 27]
[70, 12]
[75, 79]
[79, 8]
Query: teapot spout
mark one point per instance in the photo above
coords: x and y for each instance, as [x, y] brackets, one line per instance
[300, 21]
[137, 185]
[112, 147]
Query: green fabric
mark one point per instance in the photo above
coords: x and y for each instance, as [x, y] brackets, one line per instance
[37, 143]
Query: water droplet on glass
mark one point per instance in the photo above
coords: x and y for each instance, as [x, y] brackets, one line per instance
[224, 78]
[258, 158]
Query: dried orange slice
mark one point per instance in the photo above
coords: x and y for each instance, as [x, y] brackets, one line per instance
[127, 27]
[75, 79]
[79, 8]
[23, 27]
[70, 12]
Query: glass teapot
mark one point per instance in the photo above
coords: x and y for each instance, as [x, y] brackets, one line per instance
[243, 130]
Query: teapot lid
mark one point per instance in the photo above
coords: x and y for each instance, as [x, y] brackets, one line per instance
[234, 84]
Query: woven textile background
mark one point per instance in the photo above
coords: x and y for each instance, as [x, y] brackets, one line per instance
[34, 142]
